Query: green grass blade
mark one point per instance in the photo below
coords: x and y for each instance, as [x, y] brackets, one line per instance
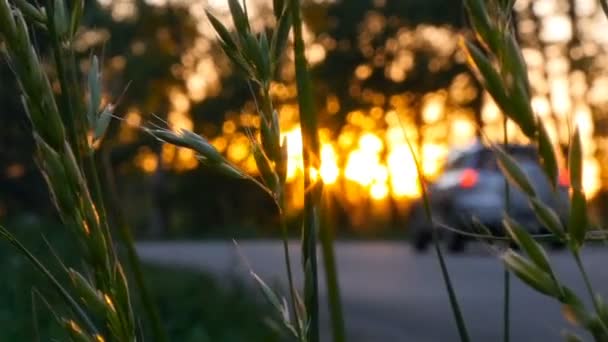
[292, 289]
[578, 220]
[10, 238]
[68, 111]
[310, 146]
[575, 161]
[456, 311]
[506, 309]
[531, 274]
[507, 275]
[133, 260]
[547, 154]
[524, 240]
[331, 273]
[513, 172]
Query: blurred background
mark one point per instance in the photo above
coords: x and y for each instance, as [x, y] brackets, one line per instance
[384, 72]
[376, 65]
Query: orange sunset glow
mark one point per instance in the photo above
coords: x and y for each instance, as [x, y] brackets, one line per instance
[369, 157]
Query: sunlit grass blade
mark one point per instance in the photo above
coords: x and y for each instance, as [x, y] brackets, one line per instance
[280, 35]
[525, 241]
[514, 174]
[76, 332]
[578, 221]
[531, 274]
[222, 31]
[487, 74]
[514, 65]
[480, 19]
[521, 112]
[575, 161]
[310, 151]
[548, 217]
[547, 154]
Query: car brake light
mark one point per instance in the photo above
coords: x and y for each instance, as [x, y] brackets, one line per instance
[468, 179]
[564, 178]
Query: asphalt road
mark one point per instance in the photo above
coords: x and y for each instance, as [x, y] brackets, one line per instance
[391, 293]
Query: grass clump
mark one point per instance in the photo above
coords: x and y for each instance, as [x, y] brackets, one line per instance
[193, 306]
[495, 57]
[67, 127]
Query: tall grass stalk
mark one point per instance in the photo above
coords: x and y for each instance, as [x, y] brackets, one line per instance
[81, 314]
[66, 158]
[326, 236]
[310, 152]
[312, 199]
[124, 231]
[506, 275]
[500, 67]
[454, 304]
[257, 59]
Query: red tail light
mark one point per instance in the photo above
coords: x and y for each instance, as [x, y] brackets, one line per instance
[468, 179]
[564, 178]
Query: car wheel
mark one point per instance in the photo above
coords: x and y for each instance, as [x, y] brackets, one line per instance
[456, 243]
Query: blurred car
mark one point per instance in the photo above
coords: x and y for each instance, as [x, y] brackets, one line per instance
[471, 190]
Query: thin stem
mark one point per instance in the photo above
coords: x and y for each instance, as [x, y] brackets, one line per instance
[462, 328]
[132, 257]
[507, 274]
[589, 287]
[331, 274]
[310, 151]
[507, 305]
[266, 114]
[292, 290]
[487, 237]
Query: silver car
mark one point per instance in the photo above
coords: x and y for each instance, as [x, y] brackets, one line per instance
[471, 189]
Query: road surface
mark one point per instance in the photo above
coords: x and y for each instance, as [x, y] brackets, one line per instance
[391, 293]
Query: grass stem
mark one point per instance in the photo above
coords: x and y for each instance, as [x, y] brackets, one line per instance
[506, 305]
[589, 287]
[507, 276]
[331, 273]
[462, 328]
[310, 151]
[133, 260]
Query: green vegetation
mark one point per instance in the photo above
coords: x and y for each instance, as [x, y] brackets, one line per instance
[193, 306]
[88, 296]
